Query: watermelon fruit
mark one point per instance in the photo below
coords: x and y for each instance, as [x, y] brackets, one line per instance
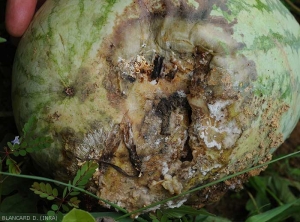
[165, 95]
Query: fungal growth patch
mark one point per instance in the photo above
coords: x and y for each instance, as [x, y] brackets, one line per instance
[178, 96]
[179, 99]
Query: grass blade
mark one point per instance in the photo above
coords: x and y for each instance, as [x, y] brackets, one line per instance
[269, 215]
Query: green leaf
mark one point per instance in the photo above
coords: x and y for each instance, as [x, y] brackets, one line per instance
[46, 145]
[84, 173]
[184, 210]
[84, 168]
[74, 193]
[159, 214]
[54, 207]
[261, 200]
[281, 188]
[18, 203]
[8, 161]
[22, 152]
[268, 215]
[165, 218]
[77, 177]
[44, 190]
[16, 146]
[65, 192]
[60, 216]
[16, 153]
[51, 212]
[48, 189]
[29, 149]
[65, 208]
[69, 187]
[43, 187]
[82, 183]
[10, 146]
[116, 215]
[55, 192]
[294, 171]
[29, 125]
[73, 202]
[36, 185]
[205, 218]
[44, 195]
[38, 143]
[13, 167]
[50, 198]
[23, 145]
[292, 214]
[32, 143]
[2, 40]
[36, 191]
[76, 215]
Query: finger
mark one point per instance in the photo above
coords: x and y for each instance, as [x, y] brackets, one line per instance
[18, 16]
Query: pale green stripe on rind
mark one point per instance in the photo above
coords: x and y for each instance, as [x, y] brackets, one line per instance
[53, 57]
[262, 6]
[270, 36]
[99, 23]
[77, 50]
[75, 46]
[274, 45]
[64, 52]
[266, 42]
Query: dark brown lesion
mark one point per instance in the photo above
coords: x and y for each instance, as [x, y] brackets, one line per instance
[117, 168]
[157, 68]
[187, 152]
[121, 132]
[53, 117]
[168, 105]
[134, 159]
[200, 73]
[70, 140]
[69, 91]
[111, 145]
[131, 147]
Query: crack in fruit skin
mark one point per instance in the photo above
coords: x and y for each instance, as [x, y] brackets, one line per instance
[166, 95]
